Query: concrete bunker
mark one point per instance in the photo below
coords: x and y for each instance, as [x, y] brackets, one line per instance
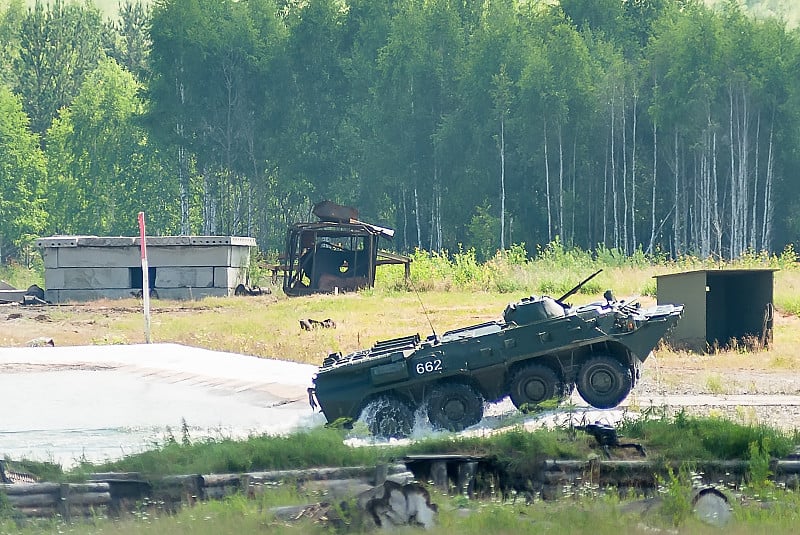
[85, 268]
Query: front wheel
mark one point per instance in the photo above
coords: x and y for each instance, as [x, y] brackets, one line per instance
[454, 407]
[388, 417]
[534, 384]
[603, 382]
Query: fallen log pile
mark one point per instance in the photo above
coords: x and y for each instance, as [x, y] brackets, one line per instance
[67, 500]
[114, 493]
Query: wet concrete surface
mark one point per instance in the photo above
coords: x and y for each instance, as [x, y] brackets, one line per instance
[97, 403]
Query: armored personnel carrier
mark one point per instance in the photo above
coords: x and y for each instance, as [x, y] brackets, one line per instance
[540, 350]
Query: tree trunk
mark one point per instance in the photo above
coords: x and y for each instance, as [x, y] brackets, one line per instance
[416, 216]
[614, 180]
[676, 225]
[605, 196]
[634, 243]
[754, 235]
[625, 237]
[183, 181]
[547, 187]
[405, 218]
[502, 183]
[734, 222]
[650, 246]
[766, 225]
[715, 182]
[560, 184]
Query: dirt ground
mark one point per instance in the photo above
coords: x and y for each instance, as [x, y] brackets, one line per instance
[67, 325]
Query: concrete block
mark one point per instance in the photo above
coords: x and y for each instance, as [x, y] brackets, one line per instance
[50, 258]
[12, 296]
[223, 240]
[178, 256]
[184, 277]
[229, 277]
[99, 256]
[106, 241]
[162, 241]
[67, 296]
[87, 278]
[239, 257]
[192, 293]
[57, 241]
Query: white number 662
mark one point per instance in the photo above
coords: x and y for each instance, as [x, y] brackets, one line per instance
[429, 366]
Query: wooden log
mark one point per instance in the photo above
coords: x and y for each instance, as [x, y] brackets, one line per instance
[787, 467]
[175, 490]
[34, 500]
[221, 480]
[94, 486]
[64, 505]
[466, 477]
[11, 489]
[439, 475]
[89, 498]
[346, 472]
[115, 476]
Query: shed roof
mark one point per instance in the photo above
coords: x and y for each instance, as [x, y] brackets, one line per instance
[719, 272]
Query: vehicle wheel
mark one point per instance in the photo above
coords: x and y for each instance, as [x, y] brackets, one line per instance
[388, 417]
[603, 382]
[454, 406]
[533, 384]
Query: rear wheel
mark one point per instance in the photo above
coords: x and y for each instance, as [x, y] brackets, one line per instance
[603, 382]
[454, 407]
[388, 417]
[533, 384]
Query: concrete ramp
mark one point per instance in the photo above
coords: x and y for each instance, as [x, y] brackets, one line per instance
[96, 403]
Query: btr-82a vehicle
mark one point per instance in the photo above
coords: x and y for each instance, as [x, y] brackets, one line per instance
[540, 350]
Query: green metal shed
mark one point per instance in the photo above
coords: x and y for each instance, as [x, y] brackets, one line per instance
[721, 307]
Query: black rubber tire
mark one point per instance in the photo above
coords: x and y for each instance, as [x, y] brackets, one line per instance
[454, 407]
[533, 384]
[388, 417]
[603, 382]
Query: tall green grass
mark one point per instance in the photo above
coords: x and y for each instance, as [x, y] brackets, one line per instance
[554, 269]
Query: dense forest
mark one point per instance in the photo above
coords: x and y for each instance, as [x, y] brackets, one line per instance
[663, 126]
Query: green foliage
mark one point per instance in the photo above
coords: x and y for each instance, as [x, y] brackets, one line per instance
[101, 162]
[699, 438]
[22, 177]
[759, 469]
[676, 493]
[20, 276]
[250, 111]
[60, 43]
[484, 231]
[316, 447]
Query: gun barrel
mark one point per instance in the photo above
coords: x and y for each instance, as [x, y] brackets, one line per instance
[578, 286]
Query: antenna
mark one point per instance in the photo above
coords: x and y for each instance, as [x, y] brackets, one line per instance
[421, 304]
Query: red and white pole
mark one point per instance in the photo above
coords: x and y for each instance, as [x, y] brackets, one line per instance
[145, 279]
